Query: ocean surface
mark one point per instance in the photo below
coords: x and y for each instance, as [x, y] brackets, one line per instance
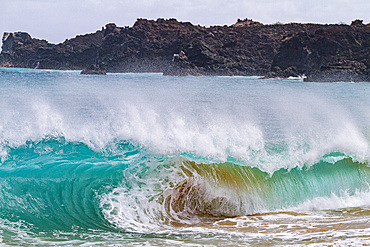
[150, 160]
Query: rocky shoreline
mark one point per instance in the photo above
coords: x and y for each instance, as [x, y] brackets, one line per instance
[320, 52]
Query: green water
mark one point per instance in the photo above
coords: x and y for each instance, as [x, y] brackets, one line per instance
[144, 159]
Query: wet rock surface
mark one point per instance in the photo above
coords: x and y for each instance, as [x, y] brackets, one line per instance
[321, 52]
[94, 69]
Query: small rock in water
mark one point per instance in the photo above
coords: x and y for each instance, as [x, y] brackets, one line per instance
[94, 70]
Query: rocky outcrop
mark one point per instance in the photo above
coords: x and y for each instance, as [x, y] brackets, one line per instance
[321, 52]
[246, 23]
[94, 69]
[181, 66]
[20, 50]
[326, 53]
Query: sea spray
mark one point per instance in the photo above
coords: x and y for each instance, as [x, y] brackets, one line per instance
[129, 158]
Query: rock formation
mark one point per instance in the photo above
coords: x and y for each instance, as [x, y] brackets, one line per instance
[94, 69]
[321, 52]
[20, 50]
[181, 66]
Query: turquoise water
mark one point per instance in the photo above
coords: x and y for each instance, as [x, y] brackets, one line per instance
[145, 159]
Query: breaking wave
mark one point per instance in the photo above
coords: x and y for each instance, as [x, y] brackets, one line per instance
[56, 184]
[90, 159]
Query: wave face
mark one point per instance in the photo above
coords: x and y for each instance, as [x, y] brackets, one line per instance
[145, 159]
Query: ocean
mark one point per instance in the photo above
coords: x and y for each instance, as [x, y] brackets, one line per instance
[153, 160]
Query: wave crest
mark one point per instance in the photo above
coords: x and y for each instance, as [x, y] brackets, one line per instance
[188, 193]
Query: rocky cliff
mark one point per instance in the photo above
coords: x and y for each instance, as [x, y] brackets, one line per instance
[321, 52]
[20, 50]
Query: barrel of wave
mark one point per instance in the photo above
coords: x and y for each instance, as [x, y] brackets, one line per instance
[228, 190]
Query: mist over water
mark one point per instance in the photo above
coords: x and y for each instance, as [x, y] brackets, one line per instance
[98, 159]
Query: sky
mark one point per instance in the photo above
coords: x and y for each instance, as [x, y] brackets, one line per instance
[57, 20]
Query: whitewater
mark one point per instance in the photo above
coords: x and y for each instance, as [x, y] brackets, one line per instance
[146, 159]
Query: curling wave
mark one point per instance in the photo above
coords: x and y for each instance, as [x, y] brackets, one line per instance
[125, 158]
[55, 184]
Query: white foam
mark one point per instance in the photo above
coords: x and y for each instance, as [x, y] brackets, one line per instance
[344, 200]
[210, 117]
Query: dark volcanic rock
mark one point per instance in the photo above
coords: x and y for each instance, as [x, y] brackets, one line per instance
[245, 48]
[246, 23]
[94, 69]
[286, 73]
[327, 53]
[181, 66]
[20, 50]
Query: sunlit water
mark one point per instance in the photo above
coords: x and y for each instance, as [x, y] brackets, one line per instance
[146, 159]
